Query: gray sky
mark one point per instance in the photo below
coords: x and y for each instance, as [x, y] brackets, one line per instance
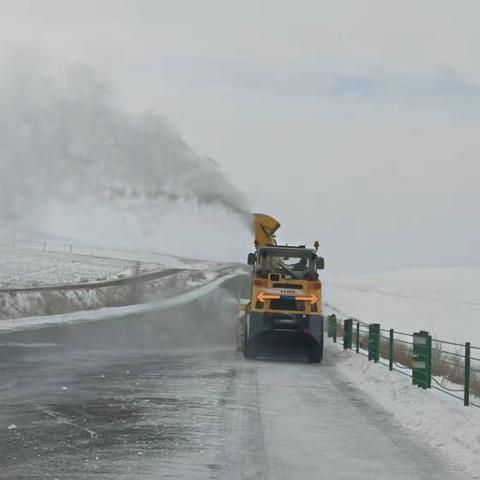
[352, 122]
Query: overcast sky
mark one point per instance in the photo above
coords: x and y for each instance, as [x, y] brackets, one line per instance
[356, 123]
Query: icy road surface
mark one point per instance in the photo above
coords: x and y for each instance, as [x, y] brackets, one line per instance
[105, 413]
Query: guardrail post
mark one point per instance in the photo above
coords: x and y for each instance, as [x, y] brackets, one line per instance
[135, 291]
[422, 359]
[374, 342]
[466, 399]
[357, 340]
[332, 328]
[347, 334]
[390, 350]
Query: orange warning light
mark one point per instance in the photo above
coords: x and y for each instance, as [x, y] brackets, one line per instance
[313, 299]
[262, 296]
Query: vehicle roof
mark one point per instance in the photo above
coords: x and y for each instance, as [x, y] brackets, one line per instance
[288, 249]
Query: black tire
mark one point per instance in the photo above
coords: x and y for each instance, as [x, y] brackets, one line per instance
[315, 354]
[250, 349]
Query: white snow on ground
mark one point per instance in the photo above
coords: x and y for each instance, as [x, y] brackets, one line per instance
[27, 323]
[32, 247]
[442, 421]
[28, 304]
[21, 267]
[443, 301]
[168, 261]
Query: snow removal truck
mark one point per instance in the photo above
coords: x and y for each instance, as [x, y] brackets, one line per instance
[285, 307]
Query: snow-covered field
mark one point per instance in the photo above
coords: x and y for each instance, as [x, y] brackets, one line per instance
[442, 421]
[443, 301]
[196, 291]
[22, 267]
[26, 267]
[35, 261]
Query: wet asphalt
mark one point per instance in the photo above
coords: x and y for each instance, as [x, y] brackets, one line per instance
[100, 414]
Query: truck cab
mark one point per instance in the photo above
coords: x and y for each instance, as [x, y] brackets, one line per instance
[286, 300]
[285, 279]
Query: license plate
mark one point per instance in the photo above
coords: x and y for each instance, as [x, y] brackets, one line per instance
[285, 321]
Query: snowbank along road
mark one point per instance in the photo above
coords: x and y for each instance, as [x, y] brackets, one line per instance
[165, 395]
[35, 283]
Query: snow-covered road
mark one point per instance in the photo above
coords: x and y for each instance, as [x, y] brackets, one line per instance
[313, 423]
[89, 403]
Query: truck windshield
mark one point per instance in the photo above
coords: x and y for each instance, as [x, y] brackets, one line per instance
[297, 263]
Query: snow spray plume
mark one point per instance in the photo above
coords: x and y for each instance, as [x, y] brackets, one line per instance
[65, 141]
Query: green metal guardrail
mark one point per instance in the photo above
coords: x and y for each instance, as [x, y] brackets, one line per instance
[418, 356]
[332, 328]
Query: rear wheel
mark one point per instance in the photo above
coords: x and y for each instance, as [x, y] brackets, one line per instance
[240, 336]
[315, 354]
[249, 347]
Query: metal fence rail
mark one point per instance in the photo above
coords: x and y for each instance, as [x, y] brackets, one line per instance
[448, 367]
[117, 282]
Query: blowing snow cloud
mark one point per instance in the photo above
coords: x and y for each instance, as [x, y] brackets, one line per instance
[65, 141]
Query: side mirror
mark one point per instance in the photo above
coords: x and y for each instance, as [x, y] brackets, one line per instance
[252, 257]
[320, 263]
